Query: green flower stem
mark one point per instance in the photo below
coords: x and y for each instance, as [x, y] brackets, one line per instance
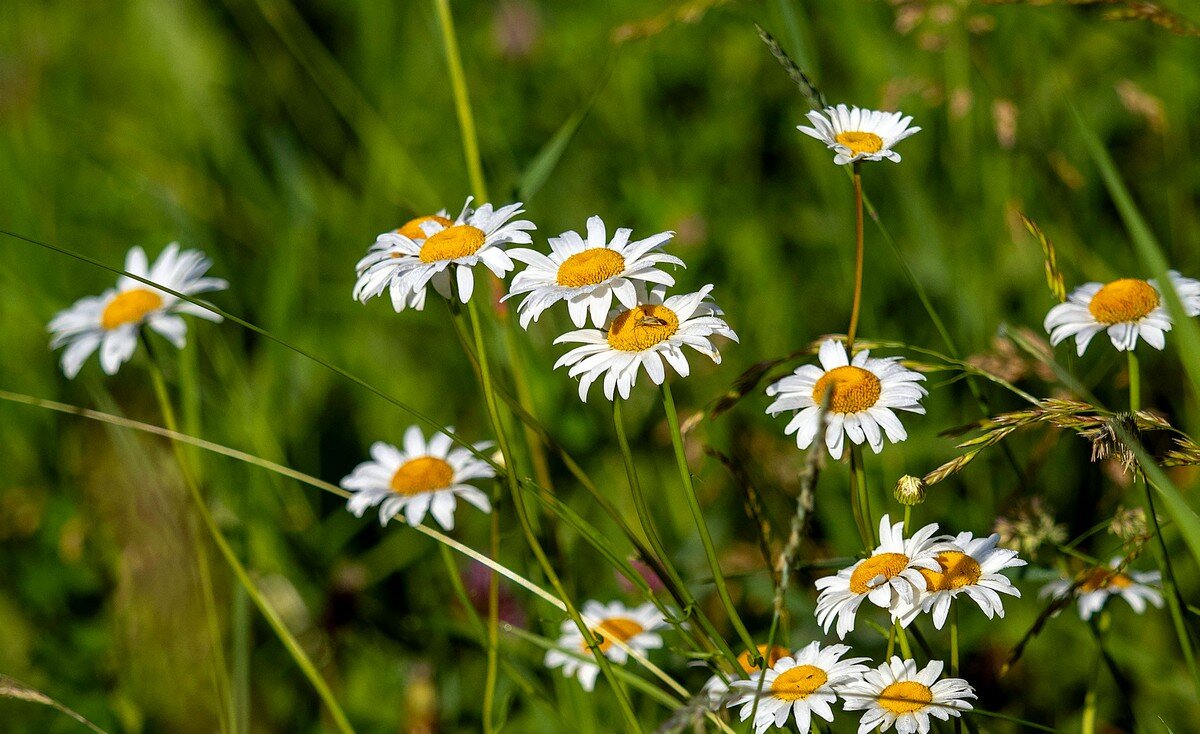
[902, 638]
[1088, 723]
[858, 488]
[462, 100]
[958, 722]
[858, 256]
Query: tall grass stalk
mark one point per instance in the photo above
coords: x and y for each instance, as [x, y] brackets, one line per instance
[858, 258]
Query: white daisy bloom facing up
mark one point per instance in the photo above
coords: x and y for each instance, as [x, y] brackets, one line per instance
[859, 135]
[644, 337]
[971, 567]
[421, 478]
[112, 321]
[898, 693]
[865, 393]
[799, 687]
[1097, 585]
[634, 627]
[1127, 309]
[891, 578]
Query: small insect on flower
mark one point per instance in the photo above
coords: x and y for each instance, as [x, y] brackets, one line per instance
[112, 321]
[587, 274]
[718, 690]
[654, 331]
[863, 396]
[891, 578]
[1098, 584]
[612, 625]
[898, 693]
[971, 567]
[1127, 308]
[799, 686]
[422, 478]
[857, 134]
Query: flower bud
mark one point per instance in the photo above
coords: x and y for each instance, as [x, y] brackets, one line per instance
[910, 490]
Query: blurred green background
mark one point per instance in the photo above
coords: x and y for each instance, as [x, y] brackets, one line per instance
[281, 137]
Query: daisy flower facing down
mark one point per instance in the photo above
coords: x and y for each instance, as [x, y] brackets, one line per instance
[112, 321]
[897, 693]
[654, 331]
[1127, 308]
[891, 577]
[971, 567]
[1098, 584]
[633, 627]
[587, 274]
[859, 135]
[422, 478]
[799, 686]
[863, 397]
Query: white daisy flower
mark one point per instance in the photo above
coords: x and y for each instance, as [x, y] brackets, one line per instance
[112, 321]
[656, 329]
[588, 274]
[633, 627]
[385, 244]
[1127, 308]
[422, 478]
[859, 135]
[800, 686]
[718, 689]
[897, 693]
[866, 392]
[1098, 584]
[971, 567]
[890, 578]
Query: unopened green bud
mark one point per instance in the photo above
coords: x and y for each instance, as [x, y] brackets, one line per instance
[910, 490]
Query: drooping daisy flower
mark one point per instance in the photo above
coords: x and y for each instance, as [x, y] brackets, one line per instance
[717, 688]
[865, 394]
[1127, 308]
[1099, 583]
[656, 329]
[857, 134]
[891, 577]
[588, 274]
[632, 627]
[800, 686]
[971, 567]
[112, 321]
[898, 693]
[418, 479]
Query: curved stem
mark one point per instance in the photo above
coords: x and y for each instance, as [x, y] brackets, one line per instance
[858, 256]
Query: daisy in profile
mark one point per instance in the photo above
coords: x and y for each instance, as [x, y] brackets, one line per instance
[112, 321]
[717, 688]
[799, 687]
[1127, 308]
[891, 578]
[859, 135]
[632, 627]
[864, 395]
[644, 337]
[423, 477]
[1098, 584]
[588, 274]
[898, 693]
[971, 567]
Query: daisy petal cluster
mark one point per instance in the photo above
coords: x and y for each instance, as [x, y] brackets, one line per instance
[718, 689]
[1098, 584]
[797, 687]
[373, 275]
[857, 134]
[972, 567]
[897, 693]
[633, 627]
[1128, 309]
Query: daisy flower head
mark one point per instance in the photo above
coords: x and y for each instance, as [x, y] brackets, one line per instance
[1098, 584]
[717, 688]
[422, 477]
[859, 135]
[588, 274]
[864, 394]
[1127, 309]
[799, 686]
[972, 567]
[385, 244]
[898, 693]
[613, 625]
[112, 321]
[644, 337]
[891, 577]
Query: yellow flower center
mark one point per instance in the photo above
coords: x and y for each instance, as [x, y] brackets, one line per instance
[797, 683]
[905, 697]
[452, 243]
[590, 267]
[422, 474]
[860, 143]
[1127, 299]
[615, 628]
[854, 389]
[1102, 578]
[958, 570]
[641, 327]
[883, 564]
[129, 307]
[412, 228]
[772, 657]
